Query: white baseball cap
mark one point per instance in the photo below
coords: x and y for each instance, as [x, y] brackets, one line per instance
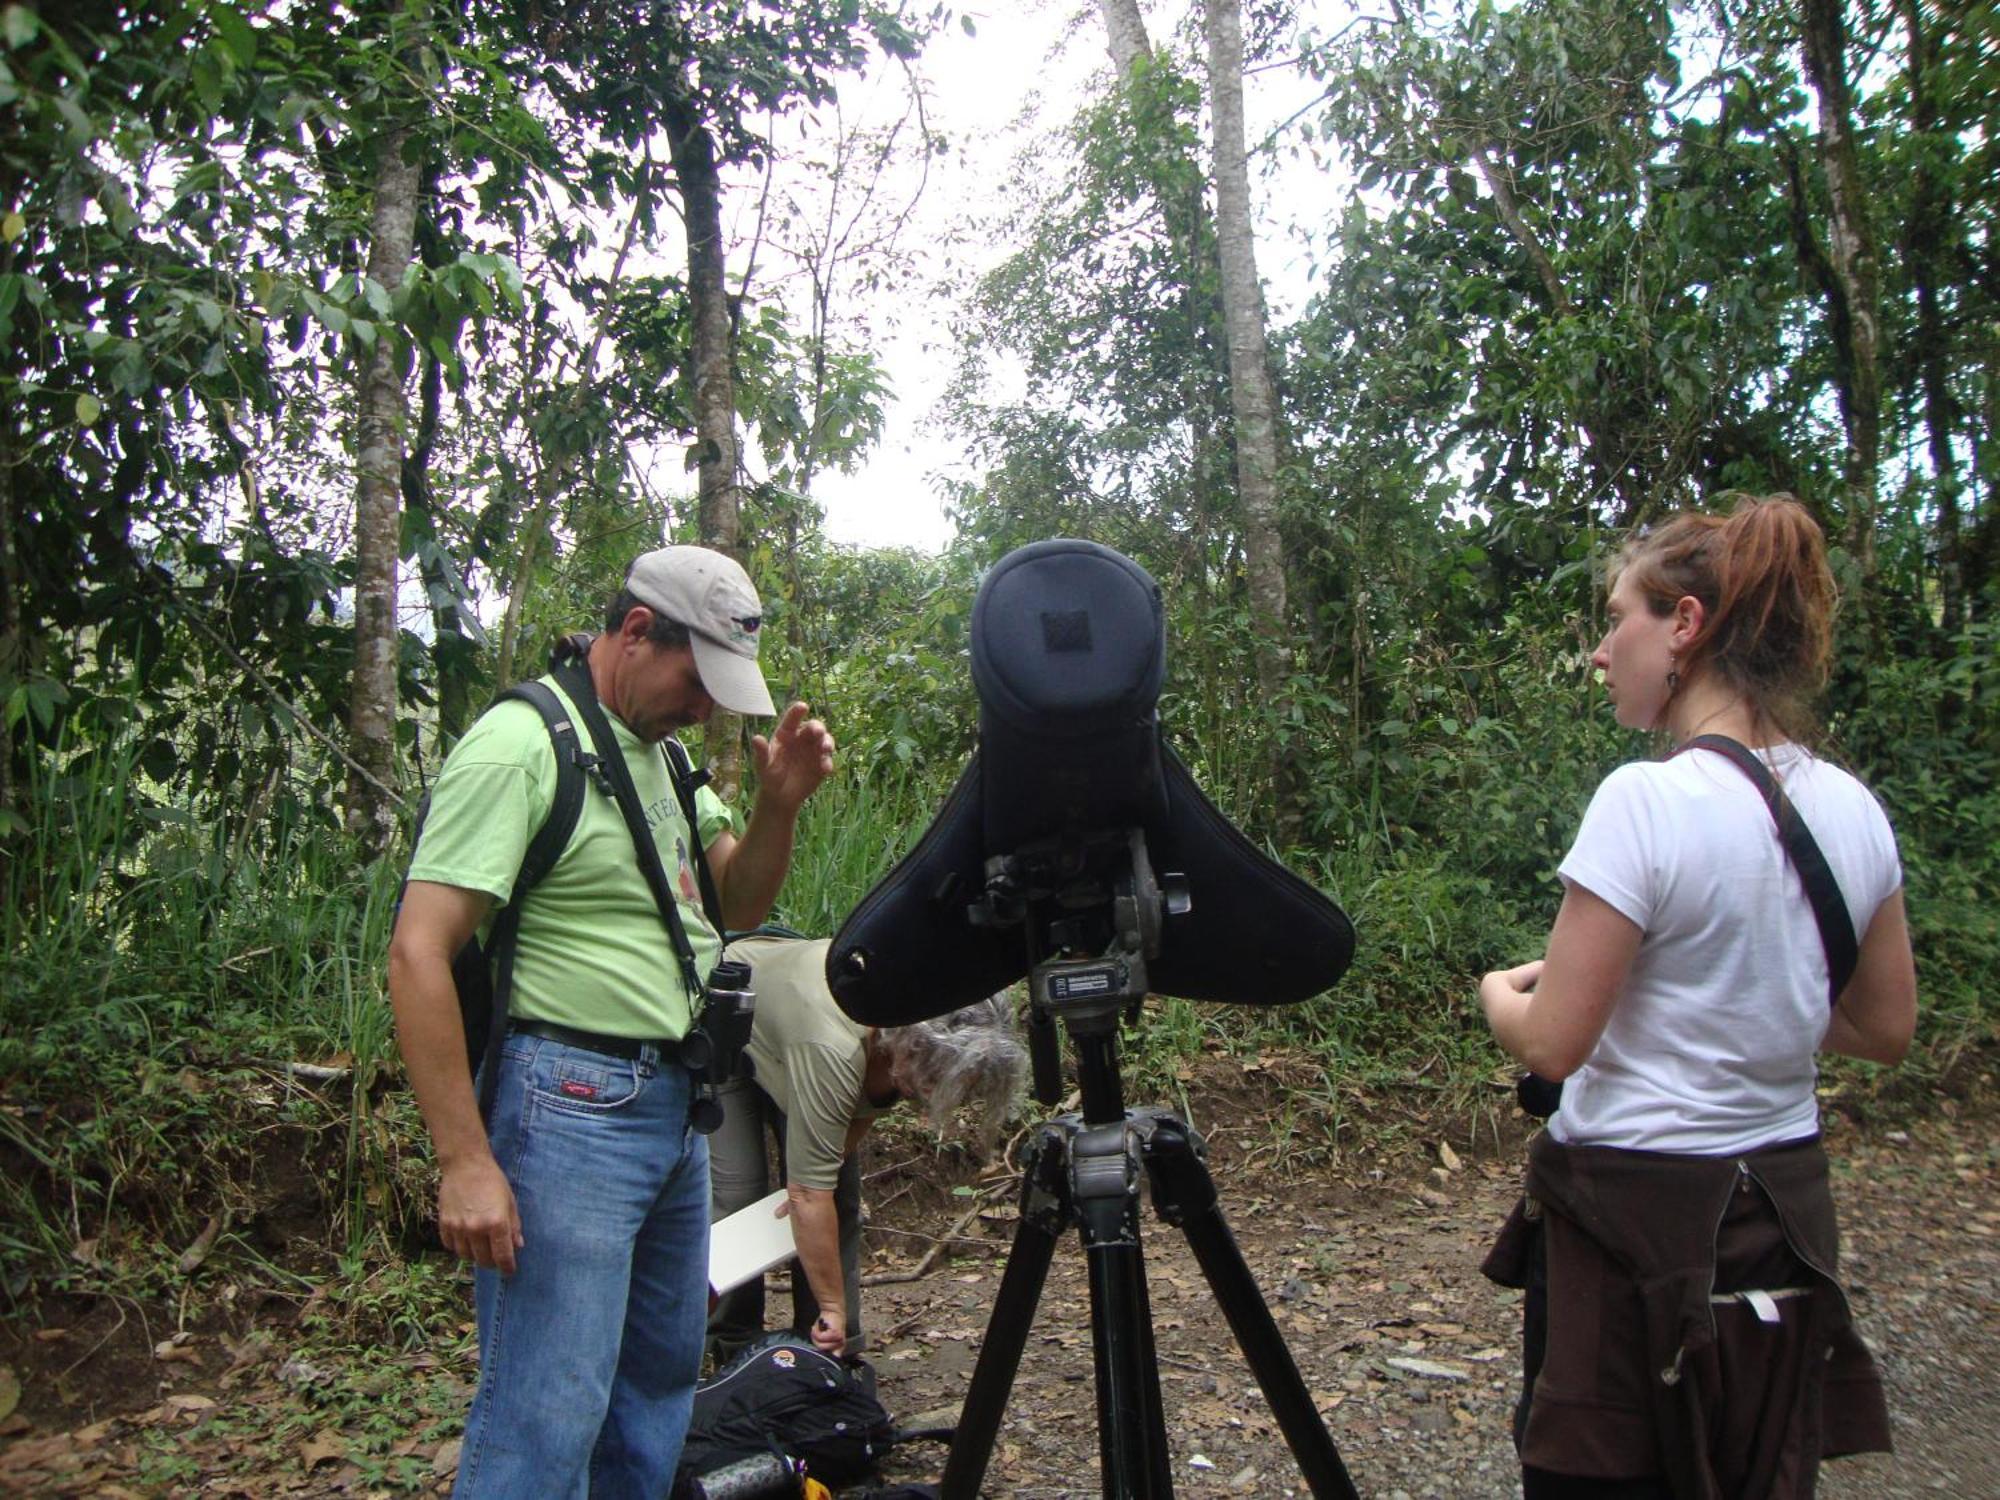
[711, 595]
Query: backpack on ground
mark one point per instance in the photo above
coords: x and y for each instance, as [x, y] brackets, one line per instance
[782, 1395]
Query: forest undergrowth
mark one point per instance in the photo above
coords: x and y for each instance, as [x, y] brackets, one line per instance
[200, 1099]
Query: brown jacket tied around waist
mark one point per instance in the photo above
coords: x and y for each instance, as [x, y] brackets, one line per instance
[1670, 1350]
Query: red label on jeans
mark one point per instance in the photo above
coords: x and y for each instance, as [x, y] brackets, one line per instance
[577, 1090]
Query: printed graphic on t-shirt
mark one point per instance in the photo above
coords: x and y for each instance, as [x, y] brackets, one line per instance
[690, 892]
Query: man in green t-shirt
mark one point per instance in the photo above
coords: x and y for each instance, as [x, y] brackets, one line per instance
[585, 1210]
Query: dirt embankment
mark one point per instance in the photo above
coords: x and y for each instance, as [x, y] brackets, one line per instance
[1368, 1257]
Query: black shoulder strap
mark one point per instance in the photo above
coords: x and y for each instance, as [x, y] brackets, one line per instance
[553, 836]
[574, 675]
[1836, 926]
[687, 781]
[544, 849]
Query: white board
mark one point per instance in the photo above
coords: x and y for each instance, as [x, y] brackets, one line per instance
[748, 1243]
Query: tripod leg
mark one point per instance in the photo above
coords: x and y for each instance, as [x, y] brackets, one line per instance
[1131, 1420]
[1044, 1215]
[1184, 1195]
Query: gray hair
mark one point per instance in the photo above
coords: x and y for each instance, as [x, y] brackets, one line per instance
[973, 1057]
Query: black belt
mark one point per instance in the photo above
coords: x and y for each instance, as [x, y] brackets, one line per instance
[627, 1047]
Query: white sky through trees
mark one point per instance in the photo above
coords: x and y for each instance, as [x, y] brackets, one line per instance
[1025, 71]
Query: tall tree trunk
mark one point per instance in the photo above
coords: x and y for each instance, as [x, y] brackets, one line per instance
[714, 386]
[1927, 238]
[451, 649]
[1982, 543]
[1125, 29]
[1851, 250]
[1181, 190]
[13, 640]
[379, 462]
[1252, 400]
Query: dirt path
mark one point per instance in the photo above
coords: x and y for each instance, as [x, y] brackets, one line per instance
[1412, 1355]
[1371, 1272]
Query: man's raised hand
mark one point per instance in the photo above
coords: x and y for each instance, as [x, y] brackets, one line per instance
[796, 758]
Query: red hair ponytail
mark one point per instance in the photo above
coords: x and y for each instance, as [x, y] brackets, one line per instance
[1767, 597]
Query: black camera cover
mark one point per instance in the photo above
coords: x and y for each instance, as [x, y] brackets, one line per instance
[1069, 649]
[1254, 934]
[1068, 654]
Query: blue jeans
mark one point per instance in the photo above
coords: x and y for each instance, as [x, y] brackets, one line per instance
[589, 1352]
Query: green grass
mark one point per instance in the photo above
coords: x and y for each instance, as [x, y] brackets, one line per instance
[851, 833]
[160, 972]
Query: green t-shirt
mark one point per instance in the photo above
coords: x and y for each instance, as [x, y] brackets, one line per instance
[810, 1058]
[592, 951]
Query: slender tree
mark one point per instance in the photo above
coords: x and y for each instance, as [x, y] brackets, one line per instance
[380, 422]
[718, 454]
[1930, 241]
[1252, 399]
[1857, 325]
[1180, 199]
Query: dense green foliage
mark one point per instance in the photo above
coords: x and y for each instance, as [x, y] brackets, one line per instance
[1579, 276]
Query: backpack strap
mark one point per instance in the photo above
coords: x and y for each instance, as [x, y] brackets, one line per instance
[544, 849]
[573, 672]
[687, 781]
[553, 836]
[571, 655]
[1829, 907]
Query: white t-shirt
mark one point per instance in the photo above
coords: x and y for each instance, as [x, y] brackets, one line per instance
[1711, 1043]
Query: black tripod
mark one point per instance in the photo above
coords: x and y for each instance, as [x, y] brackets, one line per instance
[1084, 1169]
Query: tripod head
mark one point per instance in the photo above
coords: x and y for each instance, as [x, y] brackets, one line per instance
[1044, 855]
[1108, 915]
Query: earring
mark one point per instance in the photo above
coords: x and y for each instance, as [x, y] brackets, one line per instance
[1673, 673]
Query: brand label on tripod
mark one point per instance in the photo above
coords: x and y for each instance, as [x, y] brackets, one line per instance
[1081, 985]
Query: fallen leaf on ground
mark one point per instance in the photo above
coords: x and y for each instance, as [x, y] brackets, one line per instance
[325, 1447]
[35, 1453]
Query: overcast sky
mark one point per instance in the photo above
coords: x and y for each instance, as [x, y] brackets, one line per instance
[982, 85]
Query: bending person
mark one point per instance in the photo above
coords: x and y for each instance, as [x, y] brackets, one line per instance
[818, 1081]
[1685, 1334]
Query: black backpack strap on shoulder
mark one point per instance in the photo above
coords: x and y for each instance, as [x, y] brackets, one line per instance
[687, 781]
[574, 674]
[544, 849]
[1836, 926]
[571, 762]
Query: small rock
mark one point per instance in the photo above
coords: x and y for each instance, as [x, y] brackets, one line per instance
[300, 1373]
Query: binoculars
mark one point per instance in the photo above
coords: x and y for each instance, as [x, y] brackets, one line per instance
[713, 1048]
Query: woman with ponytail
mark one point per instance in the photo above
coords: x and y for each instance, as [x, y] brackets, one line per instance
[1686, 1335]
